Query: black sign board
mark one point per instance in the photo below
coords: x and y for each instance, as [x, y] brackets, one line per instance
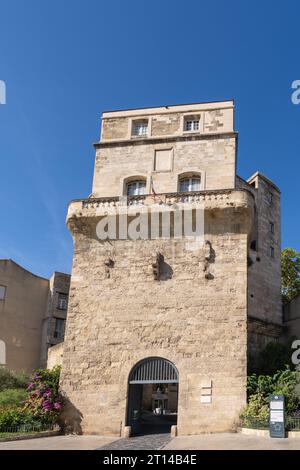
[277, 420]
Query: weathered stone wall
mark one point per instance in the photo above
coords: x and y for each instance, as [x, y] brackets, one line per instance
[55, 355]
[213, 159]
[291, 318]
[168, 121]
[199, 324]
[264, 282]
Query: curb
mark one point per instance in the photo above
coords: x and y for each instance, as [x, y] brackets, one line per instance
[266, 433]
[31, 436]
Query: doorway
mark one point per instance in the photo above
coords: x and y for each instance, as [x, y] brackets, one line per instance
[152, 396]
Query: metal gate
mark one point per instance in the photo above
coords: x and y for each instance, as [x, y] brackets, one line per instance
[154, 370]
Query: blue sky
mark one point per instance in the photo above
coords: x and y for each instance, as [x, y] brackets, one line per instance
[66, 61]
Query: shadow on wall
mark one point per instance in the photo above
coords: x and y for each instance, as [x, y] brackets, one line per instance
[166, 272]
[70, 419]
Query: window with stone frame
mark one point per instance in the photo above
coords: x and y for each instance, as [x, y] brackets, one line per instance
[62, 301]
[136, 188]
[192, 123]
[59, 328]
[2, 292]
[140, 128]
[189, 184]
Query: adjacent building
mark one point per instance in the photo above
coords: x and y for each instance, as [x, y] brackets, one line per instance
[32, 315]
[160, 326]
[291, 318]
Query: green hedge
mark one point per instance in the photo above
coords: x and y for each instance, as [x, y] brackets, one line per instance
[12, 397]
[11, 380]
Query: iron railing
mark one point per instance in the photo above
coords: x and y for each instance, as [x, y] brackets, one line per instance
[28, 428]
[292, 423]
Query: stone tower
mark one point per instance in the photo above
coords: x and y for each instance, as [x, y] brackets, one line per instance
[157, 329]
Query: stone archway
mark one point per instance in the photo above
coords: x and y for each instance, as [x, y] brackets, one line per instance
[152, 403]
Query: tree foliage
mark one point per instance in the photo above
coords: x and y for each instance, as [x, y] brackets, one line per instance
[274, 357]
[290, 274]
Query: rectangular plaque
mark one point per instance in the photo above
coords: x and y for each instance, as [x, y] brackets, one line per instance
[277, 418]
[206, 399]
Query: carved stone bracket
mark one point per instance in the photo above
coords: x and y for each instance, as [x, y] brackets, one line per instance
[157, 266]
[109, 264]
[209, 257]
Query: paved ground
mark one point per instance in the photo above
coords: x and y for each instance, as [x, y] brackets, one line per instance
[154, 442]
[150, 442]
[231, 441]
[58, 443]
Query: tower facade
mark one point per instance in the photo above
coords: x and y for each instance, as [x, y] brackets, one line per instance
[157, 329]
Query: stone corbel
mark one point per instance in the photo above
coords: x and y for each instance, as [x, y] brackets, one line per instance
[109, 264]
[157, 265]
[208, 259]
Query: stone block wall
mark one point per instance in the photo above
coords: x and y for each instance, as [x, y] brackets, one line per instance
[199, 324]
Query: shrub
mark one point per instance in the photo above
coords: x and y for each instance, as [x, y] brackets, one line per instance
[257, 410]
[45, 400]
[10, 379]
[15, 418]
[12, 397]
[284, 382]
[260, 387]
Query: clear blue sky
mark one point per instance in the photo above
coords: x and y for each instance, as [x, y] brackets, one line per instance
[64, 62]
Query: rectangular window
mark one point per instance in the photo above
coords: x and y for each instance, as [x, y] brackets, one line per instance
[62, 303]
[191, 124]
[271, 226]
[140, 128]
[269, 197]
[59, 328]
[2, 292]
[272, 252]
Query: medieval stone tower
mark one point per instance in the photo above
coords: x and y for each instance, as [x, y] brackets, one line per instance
[159, 328]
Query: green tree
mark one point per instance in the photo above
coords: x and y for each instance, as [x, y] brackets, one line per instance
[290, 274]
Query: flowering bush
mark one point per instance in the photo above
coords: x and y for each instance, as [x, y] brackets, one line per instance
[45, 400]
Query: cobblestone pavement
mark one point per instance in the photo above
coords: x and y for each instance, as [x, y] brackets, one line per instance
[148, 442]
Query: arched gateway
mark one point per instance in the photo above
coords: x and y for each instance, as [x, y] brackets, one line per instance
[152, 396]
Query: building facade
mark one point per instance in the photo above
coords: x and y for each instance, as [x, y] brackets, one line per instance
[54, 321]
[291, 319]
[159, 327]
[30, 306]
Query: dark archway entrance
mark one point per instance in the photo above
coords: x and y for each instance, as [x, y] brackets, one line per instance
[152, 396]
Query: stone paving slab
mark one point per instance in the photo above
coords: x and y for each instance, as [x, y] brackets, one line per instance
[148, 442]
[231, 441]
[221, 441]
[59, 443]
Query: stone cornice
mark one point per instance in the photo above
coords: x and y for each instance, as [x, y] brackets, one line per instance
[166, 139]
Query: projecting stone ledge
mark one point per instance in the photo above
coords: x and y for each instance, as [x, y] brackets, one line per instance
[85, 213]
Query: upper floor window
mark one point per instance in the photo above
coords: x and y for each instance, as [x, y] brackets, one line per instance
[271, 227]
[189, 184]
[59, 328]
[271, 251]
[140, 128]
[134, 188]
[192, 123]
[62, 303]
[2, 292]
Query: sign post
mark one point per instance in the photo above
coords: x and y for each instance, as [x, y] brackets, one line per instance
[277, 419]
